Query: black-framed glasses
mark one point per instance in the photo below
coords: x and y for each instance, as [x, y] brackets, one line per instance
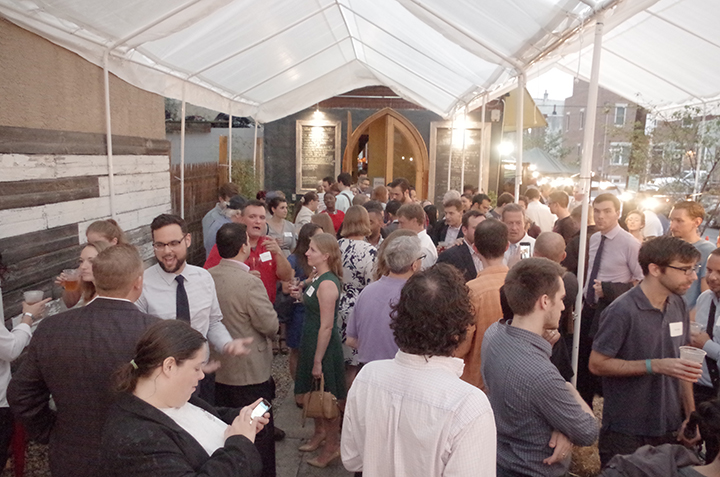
[686, 270]
[172, 244]
[421, 257]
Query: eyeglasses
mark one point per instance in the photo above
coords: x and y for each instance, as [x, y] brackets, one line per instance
[421, 257]
[686, 270]
[173, 244]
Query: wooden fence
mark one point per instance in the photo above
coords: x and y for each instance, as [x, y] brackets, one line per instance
[201, 185]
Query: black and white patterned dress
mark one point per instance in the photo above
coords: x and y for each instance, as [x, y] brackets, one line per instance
[358, 261]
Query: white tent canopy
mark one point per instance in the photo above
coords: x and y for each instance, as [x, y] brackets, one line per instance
[272, 58]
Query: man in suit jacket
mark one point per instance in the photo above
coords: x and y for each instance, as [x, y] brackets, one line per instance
[449, 229]
[72, 357]
[463, 256]
[241, 380]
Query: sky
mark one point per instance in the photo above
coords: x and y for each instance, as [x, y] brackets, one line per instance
[559, 85]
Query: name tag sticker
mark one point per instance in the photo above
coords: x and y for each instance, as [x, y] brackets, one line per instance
[676, 329]
[310, 291]
[265, 256]
[288, 234]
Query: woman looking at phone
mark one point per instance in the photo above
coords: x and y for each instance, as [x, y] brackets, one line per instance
[157, 428]
[320, 347]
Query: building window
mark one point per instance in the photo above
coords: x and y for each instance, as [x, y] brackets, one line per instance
[567, 122]
[579, 151]
[619, 153]
[620, 111]
[582, 118]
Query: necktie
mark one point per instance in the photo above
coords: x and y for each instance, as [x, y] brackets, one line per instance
[711, 363]
[590, 297]
[182, 307]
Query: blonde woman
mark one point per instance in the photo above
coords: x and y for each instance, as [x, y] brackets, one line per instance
[320, 347]
[86, 291]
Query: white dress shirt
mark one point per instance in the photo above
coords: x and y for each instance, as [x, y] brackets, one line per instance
[711, 347]
[159, 299]
[541, 215]
[512, 247]
[428, 248]
[412, 416]
[11, 345]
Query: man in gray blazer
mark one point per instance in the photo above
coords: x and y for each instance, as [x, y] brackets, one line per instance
[73, 356]
[247, 313]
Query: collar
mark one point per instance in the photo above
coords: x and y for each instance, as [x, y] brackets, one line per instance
[643, 302]
[235, 263]
[422, 232]
[169, 278]
[494, 269]
[470, 247]
[529, 337]
[525, 238]
[454, 365]
[614, 232]
[107, 298]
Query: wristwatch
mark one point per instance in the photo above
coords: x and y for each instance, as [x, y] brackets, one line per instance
[32, 317]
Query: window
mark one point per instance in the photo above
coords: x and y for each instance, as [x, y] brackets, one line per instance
[620, 110]
[619, 153]
[582, 118]
[579, 151]
[567, 122]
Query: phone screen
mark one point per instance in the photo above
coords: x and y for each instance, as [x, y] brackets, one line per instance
[260, 409]
[524, 250]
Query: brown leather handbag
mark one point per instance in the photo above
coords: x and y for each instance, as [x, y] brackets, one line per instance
[319, 403]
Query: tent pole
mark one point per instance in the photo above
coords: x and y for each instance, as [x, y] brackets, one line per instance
[182, 156]
[462, 169]
[108, 134]
[585, 186]
[452, 133]
[519, 109]
[229, 146]
[255, 150]
[482, 145]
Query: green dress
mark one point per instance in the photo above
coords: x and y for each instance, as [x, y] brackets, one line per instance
[333, 365]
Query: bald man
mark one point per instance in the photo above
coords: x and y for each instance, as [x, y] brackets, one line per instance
[551, 245]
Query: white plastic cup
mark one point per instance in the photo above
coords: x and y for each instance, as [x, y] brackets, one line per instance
[696, 328]
[33, 296]
[693, 354]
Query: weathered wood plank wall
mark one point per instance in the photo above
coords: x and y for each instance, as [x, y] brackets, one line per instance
[53, 184]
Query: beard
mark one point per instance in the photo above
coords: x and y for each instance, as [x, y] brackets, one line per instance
[179, 262]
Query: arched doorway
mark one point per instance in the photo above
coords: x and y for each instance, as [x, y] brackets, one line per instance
[389, 146]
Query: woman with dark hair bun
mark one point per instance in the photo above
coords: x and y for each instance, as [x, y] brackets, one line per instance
[157, 427]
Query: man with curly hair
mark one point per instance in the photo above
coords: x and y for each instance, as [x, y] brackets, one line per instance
[539, 415]
[417, 400]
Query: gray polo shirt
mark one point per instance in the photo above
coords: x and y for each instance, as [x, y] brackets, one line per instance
[530, 399]
[632, 329]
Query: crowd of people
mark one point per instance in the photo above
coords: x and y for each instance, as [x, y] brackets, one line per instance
[446, 340]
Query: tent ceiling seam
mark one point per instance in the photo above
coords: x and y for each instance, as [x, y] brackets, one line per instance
[294, 65]
[153, 24]
[432, 83]
[512, 63]
[260, 41]
[347, 27]
[682, 28]
[404, 43]
[655, 75]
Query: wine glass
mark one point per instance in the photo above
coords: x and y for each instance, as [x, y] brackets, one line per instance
[295, 287]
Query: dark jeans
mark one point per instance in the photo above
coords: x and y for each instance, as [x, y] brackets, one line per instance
[6, 433]
[588, 385]
[502, 472]
[239, 396]
[614, 443]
